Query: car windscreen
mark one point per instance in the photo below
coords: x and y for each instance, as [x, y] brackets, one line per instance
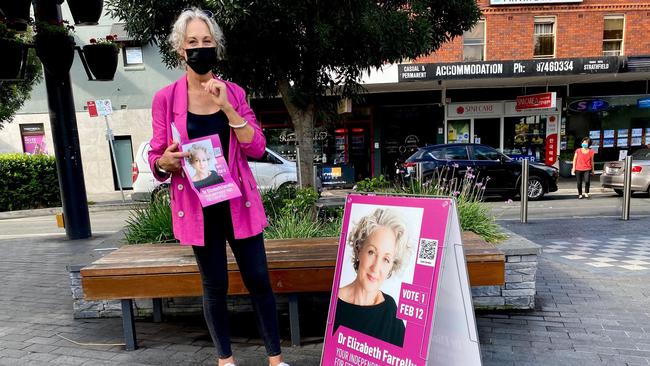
[643, 154]
[451, 153]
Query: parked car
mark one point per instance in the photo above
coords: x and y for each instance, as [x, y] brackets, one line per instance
[272, 170]
[614, 173]
[504, 172]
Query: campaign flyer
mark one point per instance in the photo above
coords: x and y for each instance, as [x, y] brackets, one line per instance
[385, 284]
[207, 170]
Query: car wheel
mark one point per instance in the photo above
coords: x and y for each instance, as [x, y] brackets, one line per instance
[535, 188]
[619, 192]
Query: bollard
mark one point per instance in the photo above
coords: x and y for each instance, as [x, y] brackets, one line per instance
[524, 191]
[627, 188]
[418, 172]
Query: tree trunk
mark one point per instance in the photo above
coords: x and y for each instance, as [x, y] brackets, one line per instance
[303, 123]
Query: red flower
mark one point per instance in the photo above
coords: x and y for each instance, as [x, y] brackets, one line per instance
[109, 38]
[93, 41]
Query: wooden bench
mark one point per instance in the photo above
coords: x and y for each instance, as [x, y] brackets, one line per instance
[296, 266]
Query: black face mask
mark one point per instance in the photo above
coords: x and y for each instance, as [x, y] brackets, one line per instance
[202, 60]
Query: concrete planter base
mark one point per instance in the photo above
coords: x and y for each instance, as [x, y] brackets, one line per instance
[518, 292]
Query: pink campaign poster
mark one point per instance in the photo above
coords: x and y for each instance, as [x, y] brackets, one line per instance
[208, 171]
[385, 283]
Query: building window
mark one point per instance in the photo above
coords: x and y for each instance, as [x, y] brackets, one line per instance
[613, 35]
[544, 37]
[474, 43]
[133, 56]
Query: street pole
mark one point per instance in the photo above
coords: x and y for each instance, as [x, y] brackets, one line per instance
[524, 191]
[298, 165]
[65, 138]
[627, 188]
[111, 138]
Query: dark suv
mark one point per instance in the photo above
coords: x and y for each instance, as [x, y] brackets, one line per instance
[503, 171]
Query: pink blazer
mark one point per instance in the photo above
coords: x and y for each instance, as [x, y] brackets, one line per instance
[248, 217]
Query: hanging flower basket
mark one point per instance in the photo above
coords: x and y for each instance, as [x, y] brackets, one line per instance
[102, 60]
[16, 13]
[14, 54]
[55, 48]
[86, 12]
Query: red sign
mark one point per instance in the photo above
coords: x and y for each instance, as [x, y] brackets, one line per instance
[536, 101]
[92, 108]
[551, 146]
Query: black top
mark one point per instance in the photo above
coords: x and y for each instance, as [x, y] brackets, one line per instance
[201, 125]
[378, 321]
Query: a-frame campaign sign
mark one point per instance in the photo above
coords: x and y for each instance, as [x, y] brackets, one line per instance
[401, 299]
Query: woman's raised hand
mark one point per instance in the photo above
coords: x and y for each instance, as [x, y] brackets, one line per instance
[171, 158]
[218, 90]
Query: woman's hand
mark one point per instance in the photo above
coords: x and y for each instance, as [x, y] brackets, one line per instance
[171, 158]
[573, 172]
[219, 92]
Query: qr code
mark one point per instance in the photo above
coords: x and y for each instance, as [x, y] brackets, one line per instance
[428, 252]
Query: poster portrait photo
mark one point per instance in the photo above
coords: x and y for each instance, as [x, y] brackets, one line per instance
[380, 246]
[201, 164]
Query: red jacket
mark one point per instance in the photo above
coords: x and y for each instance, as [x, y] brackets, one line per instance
[248, 217]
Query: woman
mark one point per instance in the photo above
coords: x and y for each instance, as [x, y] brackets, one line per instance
[583, 166]
[200, 160]
[380, 249]
[199, 104]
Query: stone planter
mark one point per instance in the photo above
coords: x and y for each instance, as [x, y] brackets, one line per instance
[519, 290]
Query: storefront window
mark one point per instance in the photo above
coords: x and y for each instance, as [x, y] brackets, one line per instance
[524, 137]
[613, 123]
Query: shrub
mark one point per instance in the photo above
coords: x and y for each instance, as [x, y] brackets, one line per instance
[152, 223]
[28, 181]
[468, 190]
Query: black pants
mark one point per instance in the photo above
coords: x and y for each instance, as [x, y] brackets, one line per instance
[583, 175]
[251, 259]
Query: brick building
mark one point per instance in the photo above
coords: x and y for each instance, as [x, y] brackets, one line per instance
[593, 55]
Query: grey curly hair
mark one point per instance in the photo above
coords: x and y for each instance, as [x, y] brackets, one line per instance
[196, 148]
[179, 29]
[368, 224]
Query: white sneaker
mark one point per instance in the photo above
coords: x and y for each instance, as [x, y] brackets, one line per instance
[586, 195]
[230, 364]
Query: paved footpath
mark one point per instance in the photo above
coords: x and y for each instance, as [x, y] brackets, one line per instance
[585, 314]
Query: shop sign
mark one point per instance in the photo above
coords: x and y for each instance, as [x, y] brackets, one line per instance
[551, 141]
[92, 108]
[589, 105]
[507, 69]
[643, 103]
[531, 2]
[536, 101]
[459, 110]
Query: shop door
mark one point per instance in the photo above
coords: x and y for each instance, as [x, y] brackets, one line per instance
[359, 151]
[487, 131]
[458, 131]
[124, 157]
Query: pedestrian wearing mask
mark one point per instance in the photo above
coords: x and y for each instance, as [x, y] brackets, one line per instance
[199, 104]
[583, 166]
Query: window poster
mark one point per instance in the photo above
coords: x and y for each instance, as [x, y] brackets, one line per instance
[637, 132]
[595, 143]
[636, 141]
[608, 134]
[622, 142]
[647, 136]
[608, 142]
[593, 135]
[623, 133]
